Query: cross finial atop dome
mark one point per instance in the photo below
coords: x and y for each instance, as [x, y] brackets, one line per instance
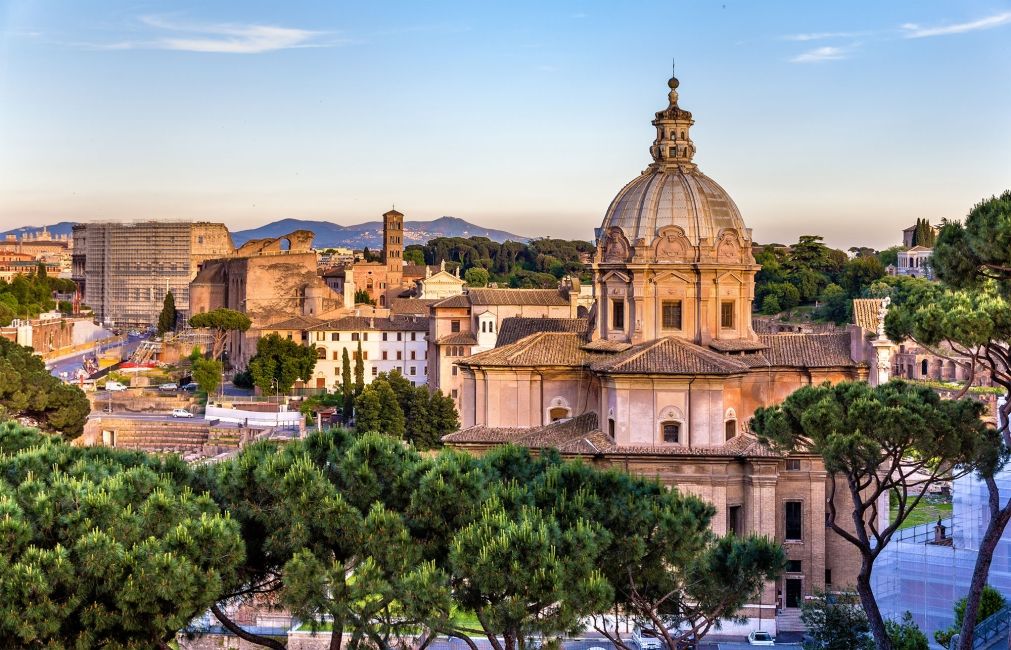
[673, 145]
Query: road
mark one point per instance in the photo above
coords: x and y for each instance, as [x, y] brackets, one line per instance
[72, 364]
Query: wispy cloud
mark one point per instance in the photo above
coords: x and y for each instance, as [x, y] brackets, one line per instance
[821, 36]
[226, 38]
[913, 30]
[819, 54]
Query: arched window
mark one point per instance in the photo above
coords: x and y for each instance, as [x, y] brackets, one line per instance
[321, 353]
[558, 413]
[670, 430]
[923, 368]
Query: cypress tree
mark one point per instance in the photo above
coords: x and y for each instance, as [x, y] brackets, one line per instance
[167, 317]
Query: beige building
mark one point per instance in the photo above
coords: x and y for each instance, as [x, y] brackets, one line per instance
[270, 280]
[665, 372]
[124, 270]
[440, 284]
[43, 246]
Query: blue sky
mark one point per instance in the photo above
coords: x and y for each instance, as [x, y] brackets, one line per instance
[843, 119]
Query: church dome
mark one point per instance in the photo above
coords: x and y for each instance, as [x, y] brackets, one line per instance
[672, 191]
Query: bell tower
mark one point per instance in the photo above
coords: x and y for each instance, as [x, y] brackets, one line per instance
[393, 241]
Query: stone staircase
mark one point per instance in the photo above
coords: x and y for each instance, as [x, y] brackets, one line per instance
[788, 620]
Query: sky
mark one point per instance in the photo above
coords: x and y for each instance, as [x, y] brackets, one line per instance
[846, 119]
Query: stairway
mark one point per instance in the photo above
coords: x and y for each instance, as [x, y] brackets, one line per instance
[788, 620]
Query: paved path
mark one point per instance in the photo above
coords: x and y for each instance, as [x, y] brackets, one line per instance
[71, 365]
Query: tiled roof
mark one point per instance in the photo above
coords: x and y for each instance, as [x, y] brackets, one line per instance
[802, 351]
[454, 301]
[541, 349]
[670, 356]
[419, 270]
[603, 345]
[542, 297]
[737, 345]
[581, 435]
[304, 323]
[368, 323]
[865, 313]
[515, 328]
[410, 306]
[458, 338]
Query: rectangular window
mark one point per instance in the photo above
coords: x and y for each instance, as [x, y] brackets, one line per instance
[794, 520]
[321, 353]
[384, 355]
[735, 520]
[671, 431]
[727, 314]
[400, 355]
[354, 336]
[454, 326]
[400, 336]
[414, 370]
[618, 314]
[671, 314]
[365, 336]
[375, 371]
[414, 336]
[354, 355]
[336, 355]
[365, 355]
[730, 428]
[335, 336]
[454, 393]
[793, 566]
[792, 465]
[384, 336]
[454, 371]
[414, 355]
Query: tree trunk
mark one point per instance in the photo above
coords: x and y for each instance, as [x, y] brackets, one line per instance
[870, 605]
[230, 625]
[509, 641]
[980, 573]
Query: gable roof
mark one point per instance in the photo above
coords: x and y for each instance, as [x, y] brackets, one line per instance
[540, 349]
[301, 323]
[411, 306]
[369, 323]
[541, 297]
[865, 313]
[460, 301]
[514, 328]
[670, 356]
[802, 351]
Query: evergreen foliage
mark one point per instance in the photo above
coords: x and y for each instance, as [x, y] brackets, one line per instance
[167, 317]
[27, 389]
[428, 415]
[220, 321]
[359, 370]
[377, 410]
[104, 548]
[279, 363]
[347, 388]
[26, 296]
[207, 374]
[362, 298]
[991, 602]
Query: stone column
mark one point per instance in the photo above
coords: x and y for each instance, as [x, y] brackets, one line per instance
[883, 350]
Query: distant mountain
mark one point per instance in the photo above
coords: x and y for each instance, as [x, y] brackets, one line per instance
[370, 234]
[61, 228]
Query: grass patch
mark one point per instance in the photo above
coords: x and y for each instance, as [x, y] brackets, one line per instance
[929, 510]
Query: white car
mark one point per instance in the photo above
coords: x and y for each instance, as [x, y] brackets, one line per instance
[181, 413]
[760, 638]
[114, 386]
[645, 639]
[170, 387]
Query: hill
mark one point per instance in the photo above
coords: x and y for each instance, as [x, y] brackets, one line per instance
[61, 228]
[370, 233]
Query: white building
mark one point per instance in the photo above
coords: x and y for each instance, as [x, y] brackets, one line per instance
[916, 262]
[387, 344]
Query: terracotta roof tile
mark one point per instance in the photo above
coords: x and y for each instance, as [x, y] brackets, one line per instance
[670, 356]
[458, 338]
[541, 349]
[368, 323]
[454, 301]
[409, 306]
[515, 328]
[802, 351]
[543, 297]
[294, 323]
[865, 313]
[737, 345]
[581, 435]
[603, 345]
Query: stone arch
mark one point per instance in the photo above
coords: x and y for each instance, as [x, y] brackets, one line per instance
[671, 427]
[558, 409]
[284, 243]
[730, 425]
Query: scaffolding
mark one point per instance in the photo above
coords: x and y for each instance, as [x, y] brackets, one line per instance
[917, 574]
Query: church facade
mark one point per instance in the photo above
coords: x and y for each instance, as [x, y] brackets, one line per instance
[664, 374]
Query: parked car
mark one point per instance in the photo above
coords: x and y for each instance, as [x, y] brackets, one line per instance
[114, 386]
[760, 638]
[190, 387]
[170, 387]
[181, 413]
[647, 639]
